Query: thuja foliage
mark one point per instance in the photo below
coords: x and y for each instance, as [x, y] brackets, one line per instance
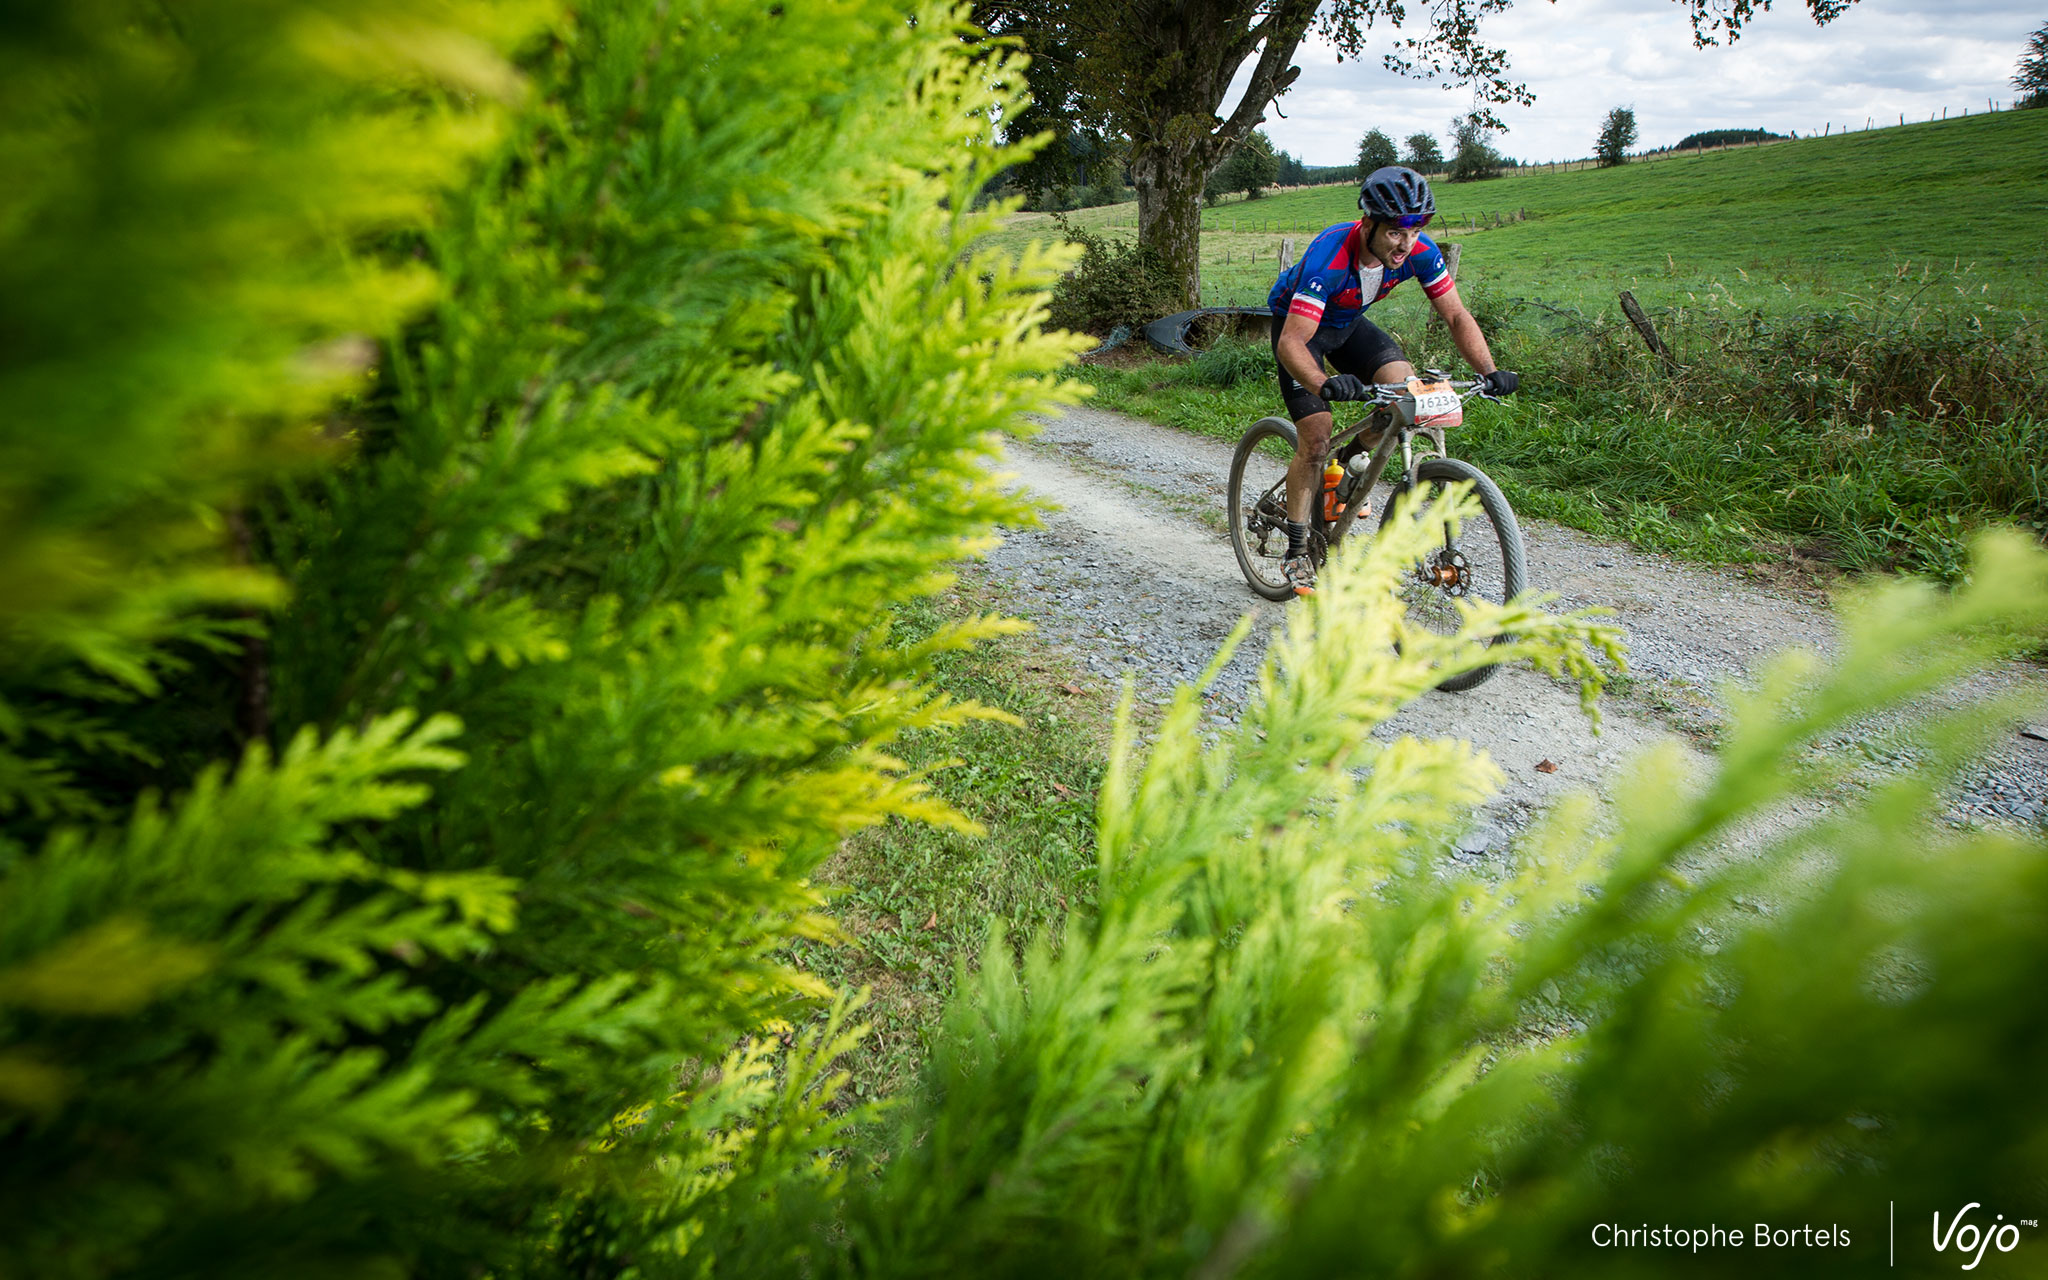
[1294, 1039]
[459, 465]
[456, 463]
[181, 294]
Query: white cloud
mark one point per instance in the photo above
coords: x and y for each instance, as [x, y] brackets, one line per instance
[1582, 57]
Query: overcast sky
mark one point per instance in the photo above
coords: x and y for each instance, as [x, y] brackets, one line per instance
[1583, 57]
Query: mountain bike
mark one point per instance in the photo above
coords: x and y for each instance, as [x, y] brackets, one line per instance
[1483, 561]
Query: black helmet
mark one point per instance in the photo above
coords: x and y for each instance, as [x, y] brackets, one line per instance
[1394, 192]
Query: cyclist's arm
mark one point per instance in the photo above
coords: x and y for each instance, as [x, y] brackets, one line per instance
[1465, 334]
[1295, 356]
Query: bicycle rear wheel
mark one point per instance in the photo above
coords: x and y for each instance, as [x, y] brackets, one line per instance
[1258, 507]
[1485, 561]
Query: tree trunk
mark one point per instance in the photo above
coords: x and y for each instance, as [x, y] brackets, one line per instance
[1169, 182]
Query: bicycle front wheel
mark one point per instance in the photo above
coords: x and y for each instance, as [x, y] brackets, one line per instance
[1258, 505]
[1484, 561]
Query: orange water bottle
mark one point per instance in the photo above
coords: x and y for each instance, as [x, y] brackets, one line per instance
[1332, 474]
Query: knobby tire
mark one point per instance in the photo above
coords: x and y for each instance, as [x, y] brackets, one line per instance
[1491, 546]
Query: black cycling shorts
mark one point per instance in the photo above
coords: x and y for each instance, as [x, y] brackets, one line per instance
[1362, 351]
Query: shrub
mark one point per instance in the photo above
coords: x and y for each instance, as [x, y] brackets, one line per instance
[419, 903]
[1293, 1039]
[1115, 283]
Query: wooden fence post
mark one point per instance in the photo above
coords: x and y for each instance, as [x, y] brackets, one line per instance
[1634, 311]
[1451, 252]
[1286, 252]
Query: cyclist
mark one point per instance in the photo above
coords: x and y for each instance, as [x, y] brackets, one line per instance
[1318, 312]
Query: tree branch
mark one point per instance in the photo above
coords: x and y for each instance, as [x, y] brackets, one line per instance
[1284, 25]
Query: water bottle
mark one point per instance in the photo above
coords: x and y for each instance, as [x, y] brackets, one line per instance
[1332, 474]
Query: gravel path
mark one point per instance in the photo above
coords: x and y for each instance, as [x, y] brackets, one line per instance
[1144, 504]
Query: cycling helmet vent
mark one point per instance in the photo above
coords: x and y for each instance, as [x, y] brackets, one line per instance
[1396, 191]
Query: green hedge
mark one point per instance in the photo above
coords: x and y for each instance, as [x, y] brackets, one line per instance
[456, 466]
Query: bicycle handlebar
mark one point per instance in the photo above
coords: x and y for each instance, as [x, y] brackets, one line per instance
[1388, 392]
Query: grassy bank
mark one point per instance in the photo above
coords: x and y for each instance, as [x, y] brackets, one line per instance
[1786, 227]
[919, 900]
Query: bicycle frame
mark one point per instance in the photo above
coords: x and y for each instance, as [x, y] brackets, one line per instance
[1386, 395]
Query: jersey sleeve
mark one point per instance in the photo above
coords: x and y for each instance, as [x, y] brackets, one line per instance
[1325, 271]
[1431, 270]
[1311, 294]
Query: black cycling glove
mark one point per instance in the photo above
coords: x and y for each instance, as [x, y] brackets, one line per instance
[1501, 382]
[1346, 386]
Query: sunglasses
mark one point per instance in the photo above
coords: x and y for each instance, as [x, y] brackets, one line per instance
[1412, 222]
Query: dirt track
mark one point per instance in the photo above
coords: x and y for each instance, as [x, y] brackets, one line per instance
[1134, 573]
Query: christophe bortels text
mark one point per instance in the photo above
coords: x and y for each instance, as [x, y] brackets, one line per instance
[1612, 1235]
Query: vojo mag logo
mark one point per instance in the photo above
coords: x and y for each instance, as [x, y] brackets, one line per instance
[1973, 1238]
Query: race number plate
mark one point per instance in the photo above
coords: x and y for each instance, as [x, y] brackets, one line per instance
[1436, 405]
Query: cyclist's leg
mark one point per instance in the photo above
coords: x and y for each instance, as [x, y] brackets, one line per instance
[1312, 422]
[1305, 473]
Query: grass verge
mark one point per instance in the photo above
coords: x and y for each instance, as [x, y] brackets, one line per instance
[919, 901]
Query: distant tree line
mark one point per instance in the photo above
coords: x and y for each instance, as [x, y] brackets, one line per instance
[1722, 138]
[1473, 154]
[1085, 170]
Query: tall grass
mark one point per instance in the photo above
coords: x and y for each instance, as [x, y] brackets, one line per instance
[1879, 435]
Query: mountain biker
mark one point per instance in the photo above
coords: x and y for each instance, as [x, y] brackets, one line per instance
[1318, 313]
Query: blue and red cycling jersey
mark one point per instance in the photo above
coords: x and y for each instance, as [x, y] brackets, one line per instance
[1330, 287]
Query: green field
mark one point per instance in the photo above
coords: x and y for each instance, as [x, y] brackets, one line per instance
[1790, 224]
